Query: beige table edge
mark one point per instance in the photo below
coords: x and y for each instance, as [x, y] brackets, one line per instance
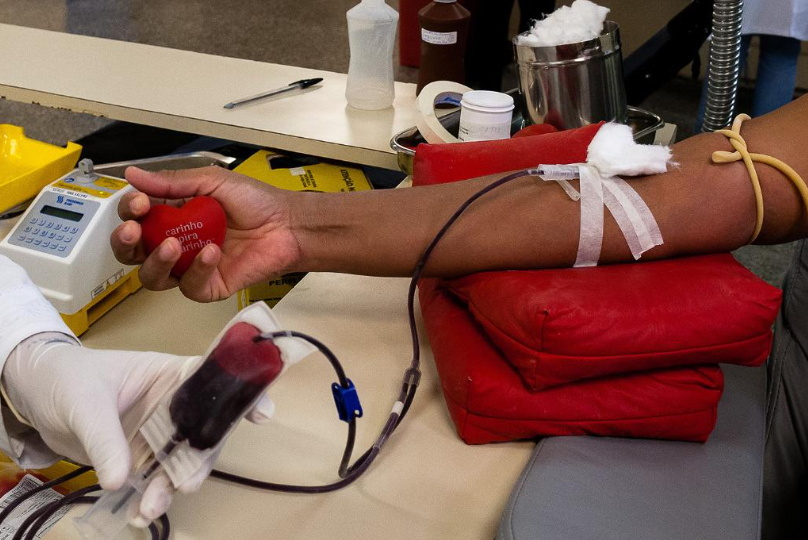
[186, 91]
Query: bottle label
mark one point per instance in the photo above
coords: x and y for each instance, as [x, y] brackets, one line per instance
[483, 132]
[438, 38]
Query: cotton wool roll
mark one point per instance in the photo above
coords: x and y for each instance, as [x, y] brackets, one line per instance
[581, 21]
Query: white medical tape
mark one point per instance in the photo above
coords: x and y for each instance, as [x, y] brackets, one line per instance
[623, 221]
[590, 239]
[644, 211]
[571, 192]
[633, 215]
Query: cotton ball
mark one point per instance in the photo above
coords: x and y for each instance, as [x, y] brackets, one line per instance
[590, 15]
[529, 40]
[615, 153]
[581, 21]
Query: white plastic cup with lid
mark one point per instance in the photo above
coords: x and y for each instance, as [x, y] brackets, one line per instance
[485, 116]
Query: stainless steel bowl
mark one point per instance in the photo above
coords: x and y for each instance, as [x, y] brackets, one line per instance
[573, 85]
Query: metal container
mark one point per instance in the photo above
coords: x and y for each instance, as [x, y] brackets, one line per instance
[172, 162]
[573, 85]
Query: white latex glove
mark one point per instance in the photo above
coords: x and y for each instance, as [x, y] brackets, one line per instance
[88, 405]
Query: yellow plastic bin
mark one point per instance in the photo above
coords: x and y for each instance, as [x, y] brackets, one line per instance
[27, 165]
[11, 474]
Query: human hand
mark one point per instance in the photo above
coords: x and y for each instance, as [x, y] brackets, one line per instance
[259, 243]
[88, 406]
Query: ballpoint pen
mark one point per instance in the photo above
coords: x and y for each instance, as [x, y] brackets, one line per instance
[297, 85]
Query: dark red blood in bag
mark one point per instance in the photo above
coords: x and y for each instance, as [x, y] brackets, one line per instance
[213, 399]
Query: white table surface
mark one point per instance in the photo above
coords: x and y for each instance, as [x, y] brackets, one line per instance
[427, 483]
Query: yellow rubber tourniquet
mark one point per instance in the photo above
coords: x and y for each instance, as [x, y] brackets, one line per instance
[749, 159]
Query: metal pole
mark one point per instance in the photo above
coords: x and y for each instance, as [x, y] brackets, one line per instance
[723, 68]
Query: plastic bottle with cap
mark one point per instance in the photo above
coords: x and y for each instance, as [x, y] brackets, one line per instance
[371, 36]
[444, 29]
[485, 116]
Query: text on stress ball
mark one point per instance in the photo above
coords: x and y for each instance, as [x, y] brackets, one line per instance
[199, 222]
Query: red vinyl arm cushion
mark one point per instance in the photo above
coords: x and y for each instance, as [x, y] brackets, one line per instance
[558, 326]
[488, 402]
[539, 144]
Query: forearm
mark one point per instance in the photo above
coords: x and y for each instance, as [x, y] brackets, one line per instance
[701, 207]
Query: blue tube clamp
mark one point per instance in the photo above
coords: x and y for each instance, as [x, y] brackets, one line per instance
[347, 401]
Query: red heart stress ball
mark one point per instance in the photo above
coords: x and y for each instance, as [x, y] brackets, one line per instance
[199, 222]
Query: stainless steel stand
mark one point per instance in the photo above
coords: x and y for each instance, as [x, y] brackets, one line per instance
[724, 65]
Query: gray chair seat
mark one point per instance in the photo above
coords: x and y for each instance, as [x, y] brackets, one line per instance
[586, 488]
[589, 488]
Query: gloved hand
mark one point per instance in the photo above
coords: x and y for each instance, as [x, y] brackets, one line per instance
[88, 405]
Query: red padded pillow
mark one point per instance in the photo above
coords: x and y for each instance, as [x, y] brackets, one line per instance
[442, 163]
[489, 403]
[586, 326]
[558, 326]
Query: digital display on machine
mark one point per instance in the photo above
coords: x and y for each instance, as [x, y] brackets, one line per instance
[61, 213]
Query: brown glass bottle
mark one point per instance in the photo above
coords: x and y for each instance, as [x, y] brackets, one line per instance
[444, 30]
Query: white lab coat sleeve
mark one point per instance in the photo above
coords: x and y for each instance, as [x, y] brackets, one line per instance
[787, 18]
[23, 313]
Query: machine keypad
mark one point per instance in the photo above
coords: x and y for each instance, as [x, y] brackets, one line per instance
[57, 234]
[45, 239]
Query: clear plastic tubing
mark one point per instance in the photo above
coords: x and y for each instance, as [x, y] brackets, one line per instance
[371, 35]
